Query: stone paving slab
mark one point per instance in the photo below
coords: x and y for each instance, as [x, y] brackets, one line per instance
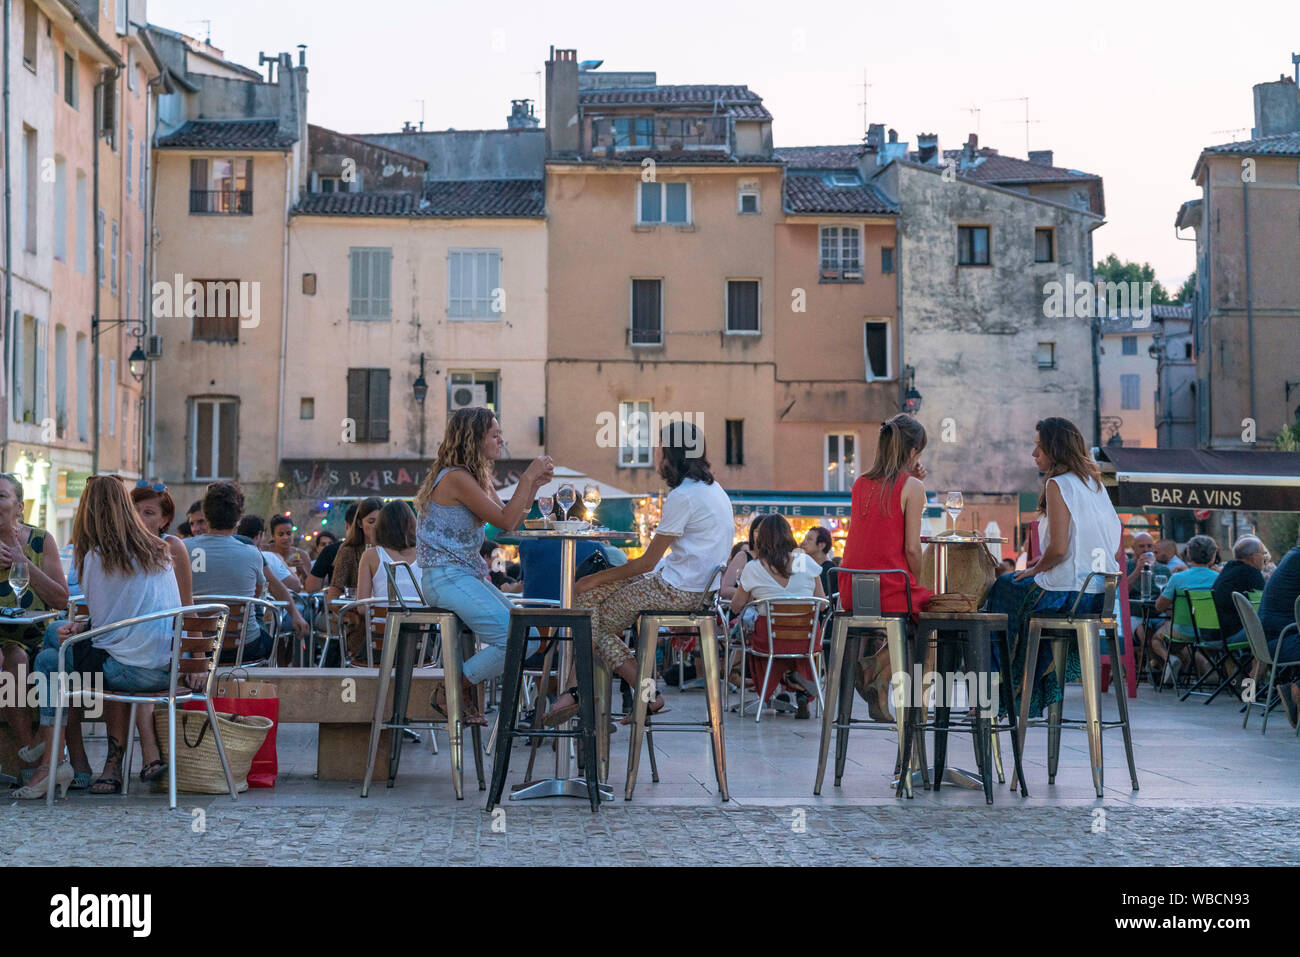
[620, 835]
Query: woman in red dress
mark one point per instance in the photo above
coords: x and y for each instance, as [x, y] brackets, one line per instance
[885, 532]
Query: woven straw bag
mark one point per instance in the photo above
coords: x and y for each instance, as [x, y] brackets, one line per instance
[198, 766]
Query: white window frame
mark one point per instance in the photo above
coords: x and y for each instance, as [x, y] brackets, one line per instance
[81, 197]
[663, 203]
[60, 209]
[726, 306]
[890, 374]
[641, 455]
[192, 441]
[842, 482]
[1038, 355]
[744, 191]
[479, 309]
[839, 272]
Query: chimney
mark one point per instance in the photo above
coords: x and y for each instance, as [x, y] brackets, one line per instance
[927, 148]
[893, 136]
[521, 116]
[563, 132]
[875, 137]
[1277, 108]
[1040, 157]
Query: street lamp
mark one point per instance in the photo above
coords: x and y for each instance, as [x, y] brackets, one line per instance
[421, 387]
[911, 398]
[137, 361]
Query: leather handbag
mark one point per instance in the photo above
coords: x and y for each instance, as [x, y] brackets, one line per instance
[595, 562]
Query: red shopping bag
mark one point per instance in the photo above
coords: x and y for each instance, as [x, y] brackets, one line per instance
[242, 697]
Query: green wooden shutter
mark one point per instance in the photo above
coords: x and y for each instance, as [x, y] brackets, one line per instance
[378, 405]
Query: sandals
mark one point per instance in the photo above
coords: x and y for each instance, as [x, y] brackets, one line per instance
[153, 771]
[557, 716]
[106, 786]
[470, 715]
[650, 710]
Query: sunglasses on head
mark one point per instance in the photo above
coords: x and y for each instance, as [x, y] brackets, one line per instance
[156, 486]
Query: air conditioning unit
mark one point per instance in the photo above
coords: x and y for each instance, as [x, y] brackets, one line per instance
[851, 274]
[468, 396]
[153, 347]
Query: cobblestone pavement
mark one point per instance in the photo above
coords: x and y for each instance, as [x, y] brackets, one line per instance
[631, 835]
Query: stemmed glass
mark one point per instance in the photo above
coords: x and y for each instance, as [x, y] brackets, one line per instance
[954, 504]
[18, 579]
[591, 499]
[546, 505]
[565, 498]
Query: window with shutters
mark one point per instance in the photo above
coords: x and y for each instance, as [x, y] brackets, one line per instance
[112, 276]
[1130, 391]
[647, 312]
[129, 282]
[130, 156]
[221, 185]
[100, 229]
[216, 313]
[368, 403]
[213, 438]
[735, 441]
[108, 112]
[742, 306]
[886, 259]
[61, 380]
[474, 288]
[371, 283]
[31, 20]
[83, 387]
[110, 395]
[60, 209]
[28, 369]
[119, 17]
[1129, 345]
[30, 187]
[83, 235]
[144, 166]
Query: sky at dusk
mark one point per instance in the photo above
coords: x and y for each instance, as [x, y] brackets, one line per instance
[1130, 91]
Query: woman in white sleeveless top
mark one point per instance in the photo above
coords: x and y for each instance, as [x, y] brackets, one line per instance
[1079, 533]
[394, 542]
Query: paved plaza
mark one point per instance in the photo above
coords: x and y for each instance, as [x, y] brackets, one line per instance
[1211, 793]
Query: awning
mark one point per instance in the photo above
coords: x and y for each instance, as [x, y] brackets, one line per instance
[746, 502]
[345, 479]
[1201, 479]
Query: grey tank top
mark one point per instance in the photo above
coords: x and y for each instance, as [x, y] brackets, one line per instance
[450, 535]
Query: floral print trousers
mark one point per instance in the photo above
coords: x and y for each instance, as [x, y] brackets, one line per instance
[614, 608]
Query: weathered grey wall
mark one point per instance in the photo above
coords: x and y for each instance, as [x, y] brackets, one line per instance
[972, 332]
[472, 154]
[376, 166]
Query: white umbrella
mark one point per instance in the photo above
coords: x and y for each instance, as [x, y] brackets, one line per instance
[577, 480]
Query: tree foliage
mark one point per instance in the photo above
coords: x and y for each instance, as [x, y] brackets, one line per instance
[1111, 269]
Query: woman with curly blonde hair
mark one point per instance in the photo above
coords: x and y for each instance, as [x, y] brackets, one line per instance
[455, 500]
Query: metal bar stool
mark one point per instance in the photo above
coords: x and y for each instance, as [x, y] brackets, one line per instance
[400, 649]
[1087, 630]
[649, 622]
[967, 636]
[578, 623]
[846, 649]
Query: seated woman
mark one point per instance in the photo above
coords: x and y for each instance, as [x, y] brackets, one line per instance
[693, 538]
[1198, 576]
[394, 541]
[781, 570]
[742, 553]
[1079, 533]
[126, 571]
[46, 588]
[887, 506]
[455, 500]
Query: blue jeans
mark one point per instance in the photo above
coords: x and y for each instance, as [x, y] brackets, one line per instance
[1290, 650]
[483, 609]
[87, 660]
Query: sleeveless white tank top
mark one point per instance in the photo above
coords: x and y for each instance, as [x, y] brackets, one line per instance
[1095, 532]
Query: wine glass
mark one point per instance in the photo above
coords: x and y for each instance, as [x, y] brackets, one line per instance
[546, 505]
[565, 497]
[18, 579]
[954, 504]
[591, 499]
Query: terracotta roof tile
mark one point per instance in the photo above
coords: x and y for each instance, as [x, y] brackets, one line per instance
[456, 198]
[740, 100]
[812, 194]
[995, 168]
[1284, 144]
[228, 135]
[820, 157]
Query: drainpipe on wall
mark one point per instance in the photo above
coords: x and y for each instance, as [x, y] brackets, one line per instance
[284, 307]
[97, 386]
[9, 288]
[1250, 306]
[1096, 354]
[898, 305]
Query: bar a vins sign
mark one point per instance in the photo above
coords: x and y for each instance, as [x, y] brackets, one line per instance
[1199, 495]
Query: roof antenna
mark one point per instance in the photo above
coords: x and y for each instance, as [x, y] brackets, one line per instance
[866, 114]
[207, 26]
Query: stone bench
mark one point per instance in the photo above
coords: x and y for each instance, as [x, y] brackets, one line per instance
[342, 702]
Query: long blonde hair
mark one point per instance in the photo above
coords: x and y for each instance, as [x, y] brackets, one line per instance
[462, 447]
[1062, 442]
[899, 438]
[107, 522]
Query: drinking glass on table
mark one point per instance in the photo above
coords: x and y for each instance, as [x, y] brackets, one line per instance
[954, 504]
[591, 499]
[18, 578]
[546, 505]
[565, 498]
[1160, 581]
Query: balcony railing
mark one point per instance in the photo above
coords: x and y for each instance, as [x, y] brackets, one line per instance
[238, 202]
